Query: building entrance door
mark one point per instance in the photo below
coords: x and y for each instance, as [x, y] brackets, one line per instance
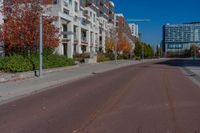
[65, 49]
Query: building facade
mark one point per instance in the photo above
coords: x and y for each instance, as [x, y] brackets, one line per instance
[180, 37]
[84, 24]
[123, 29]
[135, 30]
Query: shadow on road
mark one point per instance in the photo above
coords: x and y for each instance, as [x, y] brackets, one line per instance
[181, 63]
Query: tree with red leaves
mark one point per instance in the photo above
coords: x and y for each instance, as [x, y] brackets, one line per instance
[20, 32]
[124, 45]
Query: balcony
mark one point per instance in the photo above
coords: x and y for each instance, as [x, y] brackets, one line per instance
[84, 40]
[88, 3]
[66, 3]
[96, 41]
[101, 3]
[65, 39]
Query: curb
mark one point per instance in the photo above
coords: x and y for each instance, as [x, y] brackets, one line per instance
[191, 74]
[30, 74]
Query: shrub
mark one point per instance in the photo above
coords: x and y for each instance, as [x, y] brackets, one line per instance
[126, 56]
[111, 56]
[15, 63]
[54, 60]
[137, 58]
[19, 63]
[102, 58]
[81, 57]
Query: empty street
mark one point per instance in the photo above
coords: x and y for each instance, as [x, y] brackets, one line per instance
[153, 97]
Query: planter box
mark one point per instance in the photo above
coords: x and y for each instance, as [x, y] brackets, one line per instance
[91, 60]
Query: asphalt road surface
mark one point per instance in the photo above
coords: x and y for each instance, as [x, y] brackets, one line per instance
[145, 98]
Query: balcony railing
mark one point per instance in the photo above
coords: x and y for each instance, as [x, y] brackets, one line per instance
[84, 39]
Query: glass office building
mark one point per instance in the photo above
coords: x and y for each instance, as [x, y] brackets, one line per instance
[180, 37]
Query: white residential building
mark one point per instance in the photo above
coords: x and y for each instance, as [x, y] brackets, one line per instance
[84, 26]
[134, 29]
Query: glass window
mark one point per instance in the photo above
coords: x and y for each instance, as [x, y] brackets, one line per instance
[76, 6]
[55, 1]
[70, 2]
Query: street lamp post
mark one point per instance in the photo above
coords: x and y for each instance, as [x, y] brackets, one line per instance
[116, 53]
[142, 51]
[41, 47]
[116, 41]
[140, 35]
[41, 38]
[159, 51]
[41, 42]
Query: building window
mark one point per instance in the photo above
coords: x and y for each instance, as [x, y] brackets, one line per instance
[65, 49]
[70, 2]
[55, 1]
[65, 29]
[66, 11]
[76, 6]
[75, 50]
[94, 17]
[83, 48]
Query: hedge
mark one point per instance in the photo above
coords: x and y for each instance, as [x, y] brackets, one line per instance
[20, 63]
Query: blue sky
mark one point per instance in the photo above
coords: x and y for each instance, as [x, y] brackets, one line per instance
[160, 12]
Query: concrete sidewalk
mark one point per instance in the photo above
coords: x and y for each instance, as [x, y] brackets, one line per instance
[17, 89]
[11, 77]
[192, 69]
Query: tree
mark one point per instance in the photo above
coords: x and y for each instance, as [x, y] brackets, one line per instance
[194, 50]
[148, 50]
[159, 52]
[138, 49]
[20, 32]
[109, 45]
[124, 45]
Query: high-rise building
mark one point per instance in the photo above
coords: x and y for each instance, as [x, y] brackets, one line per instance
[134, 29]
[180, 37]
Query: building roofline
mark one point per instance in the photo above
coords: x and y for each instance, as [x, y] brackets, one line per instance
[119, 14]
[183, 24]
[112, 3]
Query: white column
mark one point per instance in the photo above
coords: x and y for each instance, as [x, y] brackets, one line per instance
[103, 40]
[93, 41]
[98, 42]
[59, 49]
[88, 40]
[70, 45]
[78, 34]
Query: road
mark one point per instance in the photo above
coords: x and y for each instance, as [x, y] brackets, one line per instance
[151, 97]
